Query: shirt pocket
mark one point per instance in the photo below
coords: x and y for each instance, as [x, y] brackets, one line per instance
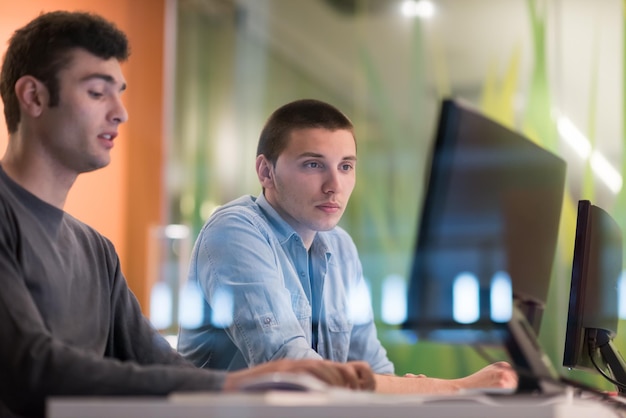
[339, 324]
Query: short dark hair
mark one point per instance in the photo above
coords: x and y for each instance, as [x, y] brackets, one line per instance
[300, 114]
[42, 48]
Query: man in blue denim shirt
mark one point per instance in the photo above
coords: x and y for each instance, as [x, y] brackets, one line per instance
[280, 279]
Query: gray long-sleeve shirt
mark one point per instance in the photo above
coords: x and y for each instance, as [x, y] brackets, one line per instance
[69, 325]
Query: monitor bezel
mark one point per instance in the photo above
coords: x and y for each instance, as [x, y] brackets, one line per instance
[589, 344]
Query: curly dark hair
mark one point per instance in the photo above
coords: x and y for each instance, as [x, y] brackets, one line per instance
[299, 114]
[42, 48]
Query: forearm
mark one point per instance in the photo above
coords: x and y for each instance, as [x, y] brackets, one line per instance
[427, 385]
[496, 375]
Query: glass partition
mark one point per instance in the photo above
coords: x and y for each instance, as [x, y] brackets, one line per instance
[551, 69]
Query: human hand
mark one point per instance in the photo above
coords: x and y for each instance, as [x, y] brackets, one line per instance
[353, 375]
[496, 375]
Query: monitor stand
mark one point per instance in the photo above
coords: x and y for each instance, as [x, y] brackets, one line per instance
[602, 341]
[534, 368]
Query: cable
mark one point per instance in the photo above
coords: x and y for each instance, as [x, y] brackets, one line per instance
[592, 348]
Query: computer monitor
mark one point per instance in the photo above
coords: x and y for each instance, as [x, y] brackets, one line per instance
[487, 238]
[593, 301]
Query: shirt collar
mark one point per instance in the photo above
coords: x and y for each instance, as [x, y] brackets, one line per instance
[281, 228]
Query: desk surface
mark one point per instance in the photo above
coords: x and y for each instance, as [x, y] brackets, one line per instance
[329, 405]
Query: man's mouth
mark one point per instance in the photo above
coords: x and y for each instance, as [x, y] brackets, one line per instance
[329, 207]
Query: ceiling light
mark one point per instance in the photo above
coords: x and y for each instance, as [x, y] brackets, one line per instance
[574, 138]
[604, 170]
[601, 167]
[422, 8]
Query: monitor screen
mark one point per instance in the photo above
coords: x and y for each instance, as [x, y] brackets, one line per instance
[593, 302]
[488, 231]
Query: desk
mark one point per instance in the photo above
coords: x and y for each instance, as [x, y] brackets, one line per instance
[329, 405]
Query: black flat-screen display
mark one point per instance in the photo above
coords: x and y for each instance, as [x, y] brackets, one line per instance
[488, 232]
[593, 312]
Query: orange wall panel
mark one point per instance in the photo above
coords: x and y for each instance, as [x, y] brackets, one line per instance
[124, 199]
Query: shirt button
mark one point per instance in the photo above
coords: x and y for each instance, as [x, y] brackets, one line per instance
[301, 274]
[267, 320]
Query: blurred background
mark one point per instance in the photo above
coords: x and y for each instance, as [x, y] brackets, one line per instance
[205, 74]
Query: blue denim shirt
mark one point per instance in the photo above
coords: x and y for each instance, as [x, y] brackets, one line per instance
[253, 271]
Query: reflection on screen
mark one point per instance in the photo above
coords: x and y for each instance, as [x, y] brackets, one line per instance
[486, 242]
[488, 229]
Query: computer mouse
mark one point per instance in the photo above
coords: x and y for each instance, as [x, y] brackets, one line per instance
[285, 382]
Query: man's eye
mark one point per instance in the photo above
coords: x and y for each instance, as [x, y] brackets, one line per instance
[347, 167]
[313, 164]
[95, 94]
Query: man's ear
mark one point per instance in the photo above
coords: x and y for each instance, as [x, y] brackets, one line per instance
[265, 172]
[32, 95]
